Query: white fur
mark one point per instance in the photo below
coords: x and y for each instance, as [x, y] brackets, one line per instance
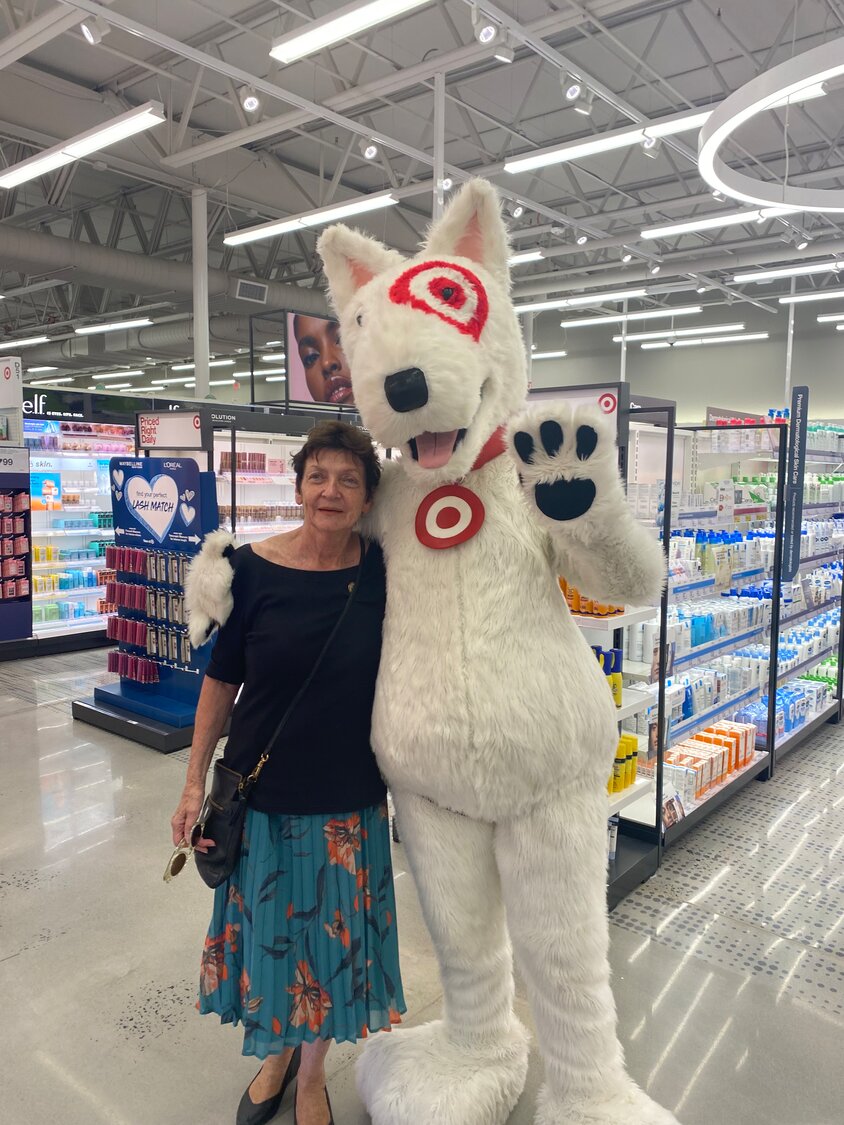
[492, 723]
[208, 597]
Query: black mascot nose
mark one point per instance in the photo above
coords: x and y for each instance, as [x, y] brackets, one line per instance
[406, 390]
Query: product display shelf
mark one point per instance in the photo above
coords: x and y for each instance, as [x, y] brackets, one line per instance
[809, 611]
[721, 710]
[792, 673]
[633, 702]
[794, 738]
[642, 787]
[723, 646]
[718, 796]
[58, 595]
[609, 624]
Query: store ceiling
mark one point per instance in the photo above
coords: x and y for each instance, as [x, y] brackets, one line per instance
[654, 56]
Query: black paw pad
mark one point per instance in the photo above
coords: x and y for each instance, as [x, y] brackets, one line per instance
[565, 499]
[587, 440]
[524, 446]
[551, 433]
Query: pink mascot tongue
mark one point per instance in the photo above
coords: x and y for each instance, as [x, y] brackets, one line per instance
[434, 450]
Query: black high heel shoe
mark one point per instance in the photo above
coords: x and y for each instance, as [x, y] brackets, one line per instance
[330, 1111]
[252, 1113]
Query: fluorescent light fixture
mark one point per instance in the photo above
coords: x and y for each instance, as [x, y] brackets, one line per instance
[623, 318]
[709, 222]
[670, 333]
[110, 387]
[113, 326]
[50, 382]
[38, 370]
[29, 342]
[273, 358]
[273, 343]
[740, 339]
[277, 379]
[548, 355]
[606, 142]
[34, 167]
[261, 374]
[574, 150]
[803, 298]
[311, 219]
[839, 328]
[791, 271]
[222, 382]
[211, 363]
[187, 381]
[113, 374]
[829, 318]
[576, 302]
[525, 256]
[344, 24]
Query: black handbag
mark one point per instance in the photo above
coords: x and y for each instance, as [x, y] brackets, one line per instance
[225, 806]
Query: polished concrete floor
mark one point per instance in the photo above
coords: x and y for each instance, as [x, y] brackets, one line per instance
[728, 966]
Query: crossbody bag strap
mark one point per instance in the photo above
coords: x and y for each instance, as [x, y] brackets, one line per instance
[248, 781]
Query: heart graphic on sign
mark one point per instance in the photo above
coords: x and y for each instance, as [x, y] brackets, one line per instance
[117, 477]
[153, 503]
[187, 513]
[119, 495]
[189, 494]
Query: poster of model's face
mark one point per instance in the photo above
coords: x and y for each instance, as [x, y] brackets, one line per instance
[317, 370]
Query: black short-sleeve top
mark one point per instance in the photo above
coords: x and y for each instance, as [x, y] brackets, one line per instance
[323, 762]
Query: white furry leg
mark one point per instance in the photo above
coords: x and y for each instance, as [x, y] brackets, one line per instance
[469, 1068]
[552, 862]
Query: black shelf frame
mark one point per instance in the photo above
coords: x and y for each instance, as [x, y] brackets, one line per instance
[701, 811]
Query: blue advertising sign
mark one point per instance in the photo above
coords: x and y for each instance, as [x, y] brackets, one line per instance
[795, 470]
[156, 503]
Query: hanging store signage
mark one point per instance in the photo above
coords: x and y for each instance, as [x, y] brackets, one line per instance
[795, 469]
[11, 385]
[172, 429]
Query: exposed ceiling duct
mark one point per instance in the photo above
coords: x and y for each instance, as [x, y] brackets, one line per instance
[36, 253]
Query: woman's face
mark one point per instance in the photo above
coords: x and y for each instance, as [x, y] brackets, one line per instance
[326, 370]
[333, 490]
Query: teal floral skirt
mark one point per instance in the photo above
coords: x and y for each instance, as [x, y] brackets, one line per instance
[302, 943]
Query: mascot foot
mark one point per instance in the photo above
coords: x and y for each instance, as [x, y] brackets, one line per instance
[628, 1106]
[422, 1075]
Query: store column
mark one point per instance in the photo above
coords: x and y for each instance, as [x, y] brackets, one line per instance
[201, 348]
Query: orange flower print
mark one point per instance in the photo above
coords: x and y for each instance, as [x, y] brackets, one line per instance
[311, 1002]
[276, 1025]
[213, 967]
[236, 898]
[339, 929]
[232, 930]
[343, 838]
[245, 985]
[289, 910]
[363, 885]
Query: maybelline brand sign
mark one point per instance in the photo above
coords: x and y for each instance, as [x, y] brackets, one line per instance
[155, 501]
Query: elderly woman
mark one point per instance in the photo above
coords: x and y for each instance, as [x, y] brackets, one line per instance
[302, 947]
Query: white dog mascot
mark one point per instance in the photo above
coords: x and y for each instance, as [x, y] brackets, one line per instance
[493, 724]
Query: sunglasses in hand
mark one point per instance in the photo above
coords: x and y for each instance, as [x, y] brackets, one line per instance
[187, 847]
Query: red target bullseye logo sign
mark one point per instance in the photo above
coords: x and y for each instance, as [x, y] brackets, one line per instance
[608, 403]
[448, 516]
[196, 422]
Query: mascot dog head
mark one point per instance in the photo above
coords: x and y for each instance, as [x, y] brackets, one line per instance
[433, 343]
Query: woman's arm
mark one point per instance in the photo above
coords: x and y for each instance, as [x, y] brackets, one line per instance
[216, 701]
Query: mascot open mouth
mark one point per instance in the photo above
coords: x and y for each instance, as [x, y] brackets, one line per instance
[432, 451]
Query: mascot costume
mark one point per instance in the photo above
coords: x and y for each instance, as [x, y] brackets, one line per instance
[493, 724]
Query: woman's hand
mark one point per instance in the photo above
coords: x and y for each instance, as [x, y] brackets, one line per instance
[186, 816]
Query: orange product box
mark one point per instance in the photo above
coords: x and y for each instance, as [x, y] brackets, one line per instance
[747, 731]
[702, 769]
[718, 755]
[731, 743]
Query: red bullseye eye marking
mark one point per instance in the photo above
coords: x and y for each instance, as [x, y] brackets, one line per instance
[469, 297]
[448, 516]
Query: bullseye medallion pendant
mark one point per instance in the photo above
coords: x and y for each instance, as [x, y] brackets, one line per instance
[448, 516]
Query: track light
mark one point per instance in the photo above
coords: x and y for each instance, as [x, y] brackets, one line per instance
[486, 31]
[626, 257]
[448, 183]
[504, 52]
[655, 268]
[582, 239]
[719, 195]
[516, 209]
[803, 240]
[571, 86]
[368, 148]
[249, 99]
[94, 29]
[651, 147]
[584, 103]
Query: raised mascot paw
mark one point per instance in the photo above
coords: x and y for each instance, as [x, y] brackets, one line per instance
[567, 460]
[420, 1076]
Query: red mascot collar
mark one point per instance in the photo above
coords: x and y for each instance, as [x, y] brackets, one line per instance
[494, 447]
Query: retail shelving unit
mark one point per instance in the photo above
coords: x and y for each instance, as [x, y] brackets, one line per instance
[732, 501]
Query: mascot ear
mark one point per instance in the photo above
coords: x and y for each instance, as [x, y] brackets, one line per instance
[351, 260]
[472, 228]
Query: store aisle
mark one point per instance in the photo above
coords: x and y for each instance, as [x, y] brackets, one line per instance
[728, 966]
